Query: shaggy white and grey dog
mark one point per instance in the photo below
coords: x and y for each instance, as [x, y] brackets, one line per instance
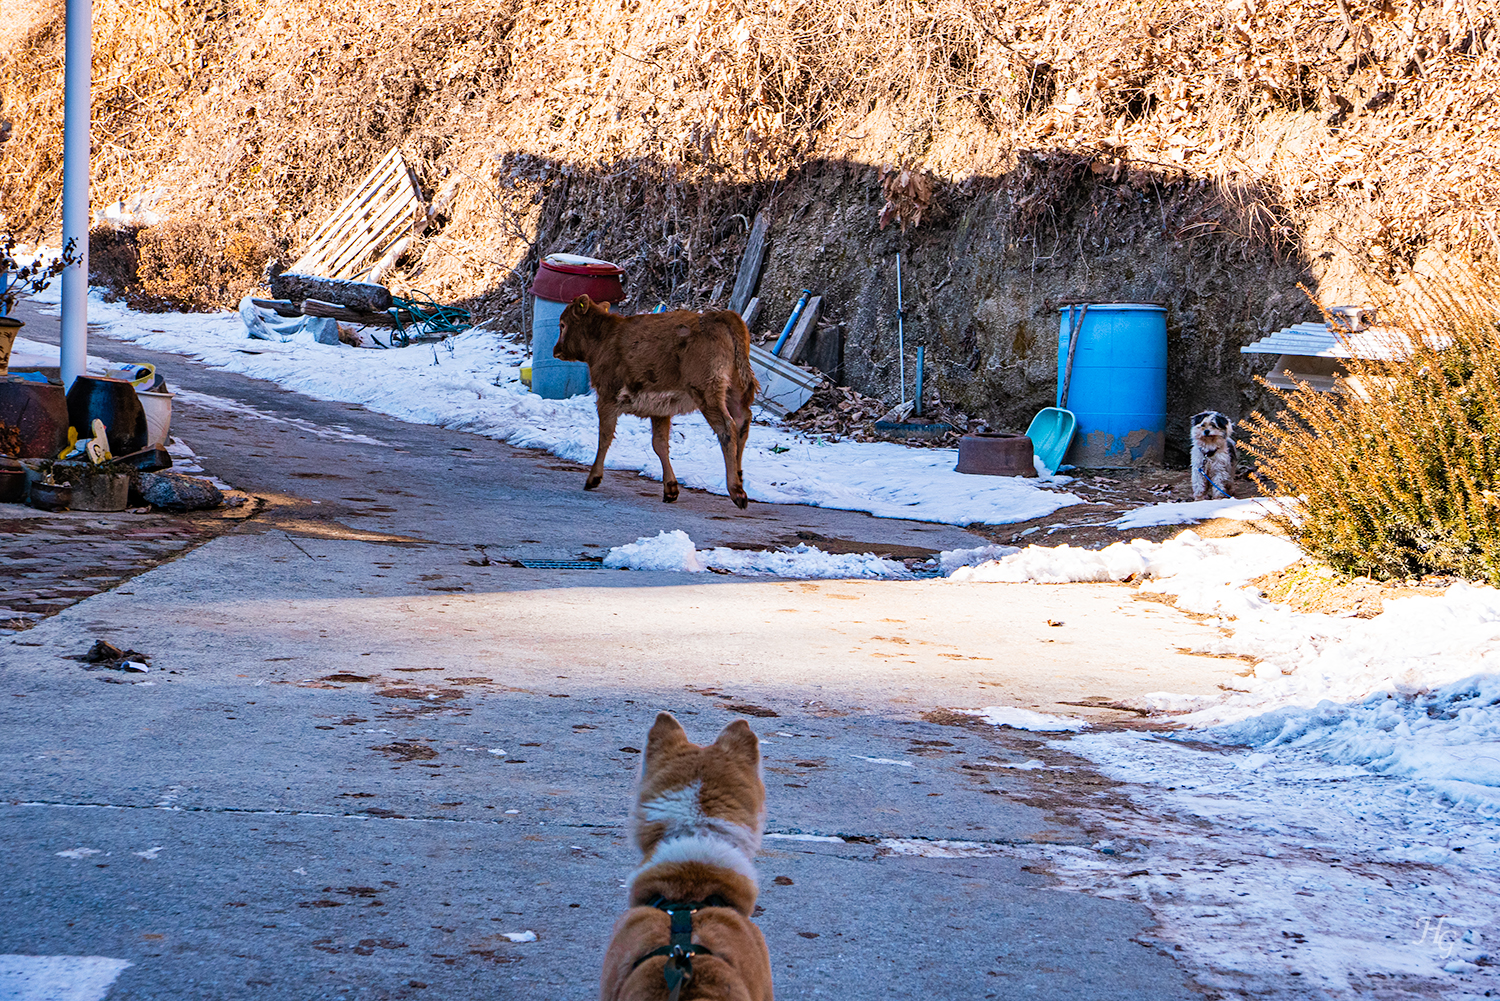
[1213, 456]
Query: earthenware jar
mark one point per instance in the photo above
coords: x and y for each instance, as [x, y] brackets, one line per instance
[114, 402]
[33, 419]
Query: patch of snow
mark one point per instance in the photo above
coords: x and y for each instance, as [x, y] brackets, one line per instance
[939, 849]
[884, 761]
[472, 383]
[674, 551]
[519, 936]
[1025, 719]
[671, 551]
[1205, 575]
[58, 978]
[1190, 512]
[78, 852]
[149, 853]
[950, 560]
[806, 837]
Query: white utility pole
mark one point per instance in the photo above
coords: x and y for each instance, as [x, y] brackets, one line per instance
[77, 79]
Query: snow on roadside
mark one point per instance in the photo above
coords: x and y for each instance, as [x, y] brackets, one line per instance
[1280, 875]
[472, 383]
[674, 551]
[1205, 575]
[1190, 512]
[1341, 838]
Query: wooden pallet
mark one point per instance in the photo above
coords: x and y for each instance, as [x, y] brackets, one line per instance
[386, 208]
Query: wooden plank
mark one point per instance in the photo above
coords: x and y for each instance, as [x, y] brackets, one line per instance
[751, 263]
[314, 307]
[400, 211]
[797, 343]
[353, 226]
[382, 221]
[372, 183]
[281, 307]
[378, 178]
[387, 206]
[399, 216]
[751, 313]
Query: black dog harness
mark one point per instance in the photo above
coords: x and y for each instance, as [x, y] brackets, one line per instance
[680, 949]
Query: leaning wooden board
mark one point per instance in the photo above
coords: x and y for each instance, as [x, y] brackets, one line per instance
[385, 208]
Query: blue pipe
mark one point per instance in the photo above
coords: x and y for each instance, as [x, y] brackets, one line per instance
[921, 359]
[791, 321]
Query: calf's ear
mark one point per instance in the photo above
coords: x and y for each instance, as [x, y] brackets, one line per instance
[583, 304]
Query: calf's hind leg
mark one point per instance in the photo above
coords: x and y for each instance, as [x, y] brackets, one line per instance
[727, 430]
[661, 443]
[607, 419]
[739, 411]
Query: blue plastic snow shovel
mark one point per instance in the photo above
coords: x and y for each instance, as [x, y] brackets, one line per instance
[1051, 430]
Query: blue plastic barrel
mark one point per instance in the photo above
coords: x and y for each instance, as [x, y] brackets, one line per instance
[1119, 387]
[551, 378]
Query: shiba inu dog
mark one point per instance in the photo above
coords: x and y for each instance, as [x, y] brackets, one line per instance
[698, 817]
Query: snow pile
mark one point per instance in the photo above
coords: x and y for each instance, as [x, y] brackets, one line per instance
[950, 560]
[472, 383]
[1189, 512]
[1025, 719]
[674, 551]
[1206, 575]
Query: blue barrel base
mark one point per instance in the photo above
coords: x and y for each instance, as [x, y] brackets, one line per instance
[551, 378]
[559, 380]
[1102, 450]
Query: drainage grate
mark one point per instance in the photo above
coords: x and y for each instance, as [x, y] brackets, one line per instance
[560, 564]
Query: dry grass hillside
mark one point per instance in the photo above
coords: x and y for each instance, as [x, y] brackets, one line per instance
[1206, 155]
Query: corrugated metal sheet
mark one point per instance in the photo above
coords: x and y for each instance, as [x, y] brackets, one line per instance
[1317, 340]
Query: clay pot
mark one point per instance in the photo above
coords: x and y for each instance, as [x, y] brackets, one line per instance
[114, 402]
[51, 496]
[36, 413]
[12, 482]
[992, 454]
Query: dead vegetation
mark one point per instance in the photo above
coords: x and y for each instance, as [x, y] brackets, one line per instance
[1316, 587]
[1358, 128]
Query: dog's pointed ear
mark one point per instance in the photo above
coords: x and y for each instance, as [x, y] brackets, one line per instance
[666, 734]
[739, 742]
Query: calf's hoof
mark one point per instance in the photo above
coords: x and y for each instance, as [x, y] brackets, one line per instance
[741, 500]
[592, 483]
[669, 493]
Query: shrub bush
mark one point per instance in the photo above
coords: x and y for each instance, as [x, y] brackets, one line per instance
[1397, 469]
[179, 264]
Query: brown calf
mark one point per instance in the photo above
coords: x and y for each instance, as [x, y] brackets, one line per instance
[658, 365]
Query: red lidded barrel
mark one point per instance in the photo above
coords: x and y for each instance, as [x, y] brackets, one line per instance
[565, 277]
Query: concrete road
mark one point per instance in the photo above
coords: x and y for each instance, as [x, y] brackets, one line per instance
[367, 748]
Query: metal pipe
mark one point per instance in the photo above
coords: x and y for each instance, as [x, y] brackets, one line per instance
[791, 322]
[921, 363]
[900, 329]
[77, 78]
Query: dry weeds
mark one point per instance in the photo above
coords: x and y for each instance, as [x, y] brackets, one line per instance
[648, 125]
